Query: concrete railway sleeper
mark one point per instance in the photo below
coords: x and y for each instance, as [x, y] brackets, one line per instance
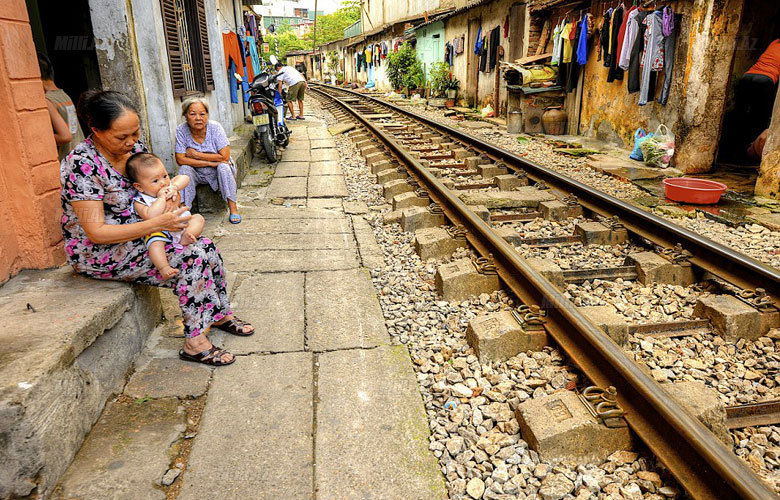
[515, 222]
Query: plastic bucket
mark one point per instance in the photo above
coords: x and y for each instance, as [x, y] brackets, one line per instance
[696, 191]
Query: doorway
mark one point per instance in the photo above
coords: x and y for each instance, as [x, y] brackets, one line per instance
[517, 31]
[63, 32]
[472, 62]
[744, 117]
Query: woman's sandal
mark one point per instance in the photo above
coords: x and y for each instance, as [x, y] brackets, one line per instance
[234, 326]
[234, 218]
[212, 356]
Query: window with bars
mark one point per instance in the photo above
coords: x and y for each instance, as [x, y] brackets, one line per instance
[186, 37]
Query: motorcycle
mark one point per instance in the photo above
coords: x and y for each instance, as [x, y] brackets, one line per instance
[266, 106]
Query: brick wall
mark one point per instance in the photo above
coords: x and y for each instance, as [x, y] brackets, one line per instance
[30, 235]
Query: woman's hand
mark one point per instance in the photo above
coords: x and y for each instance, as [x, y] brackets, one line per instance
[192, 153]
[173, 221]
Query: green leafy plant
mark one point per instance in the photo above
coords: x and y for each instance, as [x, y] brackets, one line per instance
[332, 59]
[399, 65]
[454, 84]
[416, 78]
[440, 78]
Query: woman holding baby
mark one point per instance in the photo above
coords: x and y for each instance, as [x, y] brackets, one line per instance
[104, 233]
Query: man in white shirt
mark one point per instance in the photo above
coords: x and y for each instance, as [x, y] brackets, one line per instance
[296, 85]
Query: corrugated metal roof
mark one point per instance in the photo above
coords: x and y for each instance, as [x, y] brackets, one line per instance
[537, 5]
[455, 12]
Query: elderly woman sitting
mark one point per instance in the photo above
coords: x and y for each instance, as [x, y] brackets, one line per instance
[203, 155]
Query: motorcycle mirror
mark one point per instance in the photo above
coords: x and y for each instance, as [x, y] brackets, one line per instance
[273, 59]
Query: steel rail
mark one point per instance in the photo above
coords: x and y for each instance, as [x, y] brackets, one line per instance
[713, 257]
[704, 466]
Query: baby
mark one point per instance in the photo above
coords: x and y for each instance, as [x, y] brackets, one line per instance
[155, 188]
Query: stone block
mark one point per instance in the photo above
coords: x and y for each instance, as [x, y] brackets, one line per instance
[508, 182]
[382, 165]
[731, 318]
[55, 383]
[169, 377]
[435, 243]
[489, 171]
[596, 233]
[652, 268]
[554, 210]
[393, 217]
[375, 158]
[549, 270]
[481, 211]
[560, 428]
[525, 196]
[414, 218]
[409, 199]
[370, 149]
[613, 324]
[704, 403]
[509, 234]
[388, 175]
[365, 143]
[498, 337]
[472, 162]
[392, 188]
[459, 280]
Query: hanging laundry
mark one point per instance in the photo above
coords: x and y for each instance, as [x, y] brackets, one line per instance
[582, 42]
[384, 50]
[232, 82]
[622, 33]
[574, 68]
[653, 56]
[604, 37]
[448, 53]
[669, 44]
[495, 38]
[232, 51]
[460, 45]
[483, 55]
[566, 42]
[636, 54]
[479, 42]
[506, 26]
[615, 73]
[556, 57]
[632, 26]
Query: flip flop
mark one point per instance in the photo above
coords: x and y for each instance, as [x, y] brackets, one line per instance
[234, 218]
[234, 326]
[212, 357]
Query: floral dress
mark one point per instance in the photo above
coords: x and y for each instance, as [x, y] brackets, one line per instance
[86, 175]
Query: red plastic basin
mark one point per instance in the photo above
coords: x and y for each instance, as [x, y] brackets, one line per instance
[690, 190]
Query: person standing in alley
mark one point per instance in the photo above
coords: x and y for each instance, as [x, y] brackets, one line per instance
[62, 104]
[296, 85]
[755, 95]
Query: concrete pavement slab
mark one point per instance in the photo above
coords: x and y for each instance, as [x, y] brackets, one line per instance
[287, 187]
[283, 226]
[126, 453]
[342, 311]
[298, 144]
[287, 213]
[327, 186]
[372, 431]
[292, 169]
[274, 261]
[254, 439]
[168, 377]
[325, 168]
[324, 155]
[322, 143]
[328, 241]
[329, 203]
[273, 303]
[297, 154]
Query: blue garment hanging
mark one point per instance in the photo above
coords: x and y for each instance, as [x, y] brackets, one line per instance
[254, 55]
[232, 83]
[478, 43]
[582, 45]
[244, 82]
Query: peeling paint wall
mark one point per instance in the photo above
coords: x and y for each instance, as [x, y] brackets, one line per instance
[115, 46]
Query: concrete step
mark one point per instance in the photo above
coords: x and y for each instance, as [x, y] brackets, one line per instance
[69, 343]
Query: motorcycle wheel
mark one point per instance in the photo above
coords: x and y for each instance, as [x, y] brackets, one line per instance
[269, 146]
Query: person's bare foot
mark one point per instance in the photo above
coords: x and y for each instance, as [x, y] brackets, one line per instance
[188, 238]
[168, 272]
[196, 345]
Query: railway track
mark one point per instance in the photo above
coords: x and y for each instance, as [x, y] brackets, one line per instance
[445, 165]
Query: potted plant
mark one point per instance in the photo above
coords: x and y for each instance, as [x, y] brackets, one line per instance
[452, 89]
[440, 79]
[399, 66]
